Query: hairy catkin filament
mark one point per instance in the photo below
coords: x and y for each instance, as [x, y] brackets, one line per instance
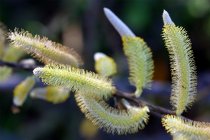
[76, 80]
[141, 65]
[111, 119]
[185, 128]
[43, 49]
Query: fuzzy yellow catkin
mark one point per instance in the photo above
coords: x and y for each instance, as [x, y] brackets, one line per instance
[5, 73]
[185, 128]
[111, 119]
[22, 89]
[104, 65]
[51, 94]
[141, 65]
[43, 49]
[183, 70]
[76, 80]
[139, 56]
[12, 54]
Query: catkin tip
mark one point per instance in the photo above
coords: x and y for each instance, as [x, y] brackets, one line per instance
[166, 18]
[106, 10]
[98, 55]
[37, 71]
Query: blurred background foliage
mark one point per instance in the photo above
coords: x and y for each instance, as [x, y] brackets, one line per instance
[82, 25]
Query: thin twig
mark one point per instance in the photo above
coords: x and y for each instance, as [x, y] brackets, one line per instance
[17, 65]
[155, 110]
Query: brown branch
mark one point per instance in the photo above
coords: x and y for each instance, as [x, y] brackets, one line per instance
[155, 110]
[17, 65]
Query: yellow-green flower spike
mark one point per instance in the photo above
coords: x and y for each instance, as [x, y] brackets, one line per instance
[185, 128]
[139, 55]
[12, 54]
[183, 70]
[76, 80]
[110, 119]
[5, 73]
[140, 62]
[104, 65]
[21, 90]
[43, 49]
[51, 94]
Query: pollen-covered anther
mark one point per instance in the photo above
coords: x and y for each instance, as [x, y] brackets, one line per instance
[183, 70]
